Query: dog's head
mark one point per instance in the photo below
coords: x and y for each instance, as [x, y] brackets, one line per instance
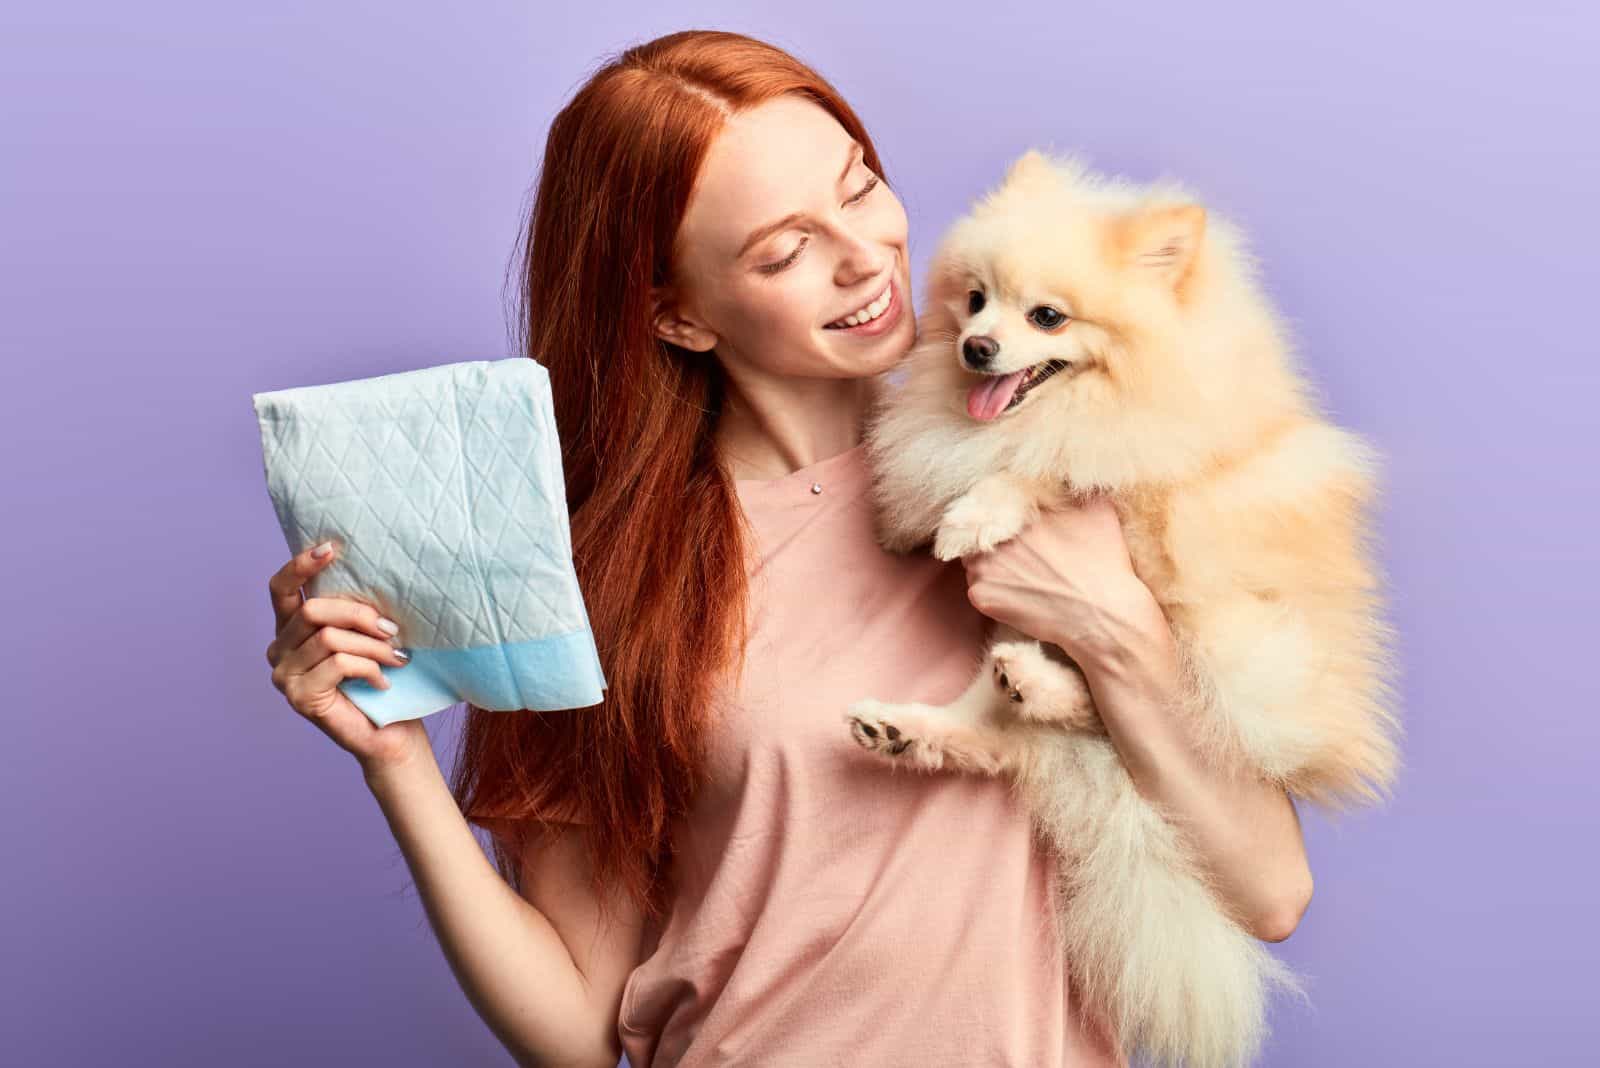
[1068, 291]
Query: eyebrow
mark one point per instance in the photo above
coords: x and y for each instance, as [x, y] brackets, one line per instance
[773, 227]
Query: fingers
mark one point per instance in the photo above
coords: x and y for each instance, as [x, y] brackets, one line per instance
[330, 641]
[977, 565]
[326, 676]
[329, 655]
[341, 611]
[284, 585]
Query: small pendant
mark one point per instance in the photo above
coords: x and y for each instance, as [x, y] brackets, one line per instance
[816, 487]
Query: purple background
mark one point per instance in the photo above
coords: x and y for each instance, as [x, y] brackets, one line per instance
[201, 203]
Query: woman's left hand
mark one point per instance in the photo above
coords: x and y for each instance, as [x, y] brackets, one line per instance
[1066, 578]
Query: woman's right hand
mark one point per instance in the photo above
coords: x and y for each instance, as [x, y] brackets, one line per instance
[320, 642]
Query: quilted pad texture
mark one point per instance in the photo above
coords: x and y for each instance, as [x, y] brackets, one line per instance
[444, 488]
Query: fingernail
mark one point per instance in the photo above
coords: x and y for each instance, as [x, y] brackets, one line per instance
[403, 655]
[322, 550]
[388, 626]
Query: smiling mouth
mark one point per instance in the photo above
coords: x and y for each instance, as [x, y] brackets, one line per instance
[998, 394]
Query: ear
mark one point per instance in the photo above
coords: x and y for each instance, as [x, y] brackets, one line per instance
[669, 325]
[1163, 240]
[1030, 165]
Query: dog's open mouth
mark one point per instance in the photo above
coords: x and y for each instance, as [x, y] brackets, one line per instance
[998, 394]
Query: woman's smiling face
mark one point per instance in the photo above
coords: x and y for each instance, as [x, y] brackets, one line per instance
[786, 232]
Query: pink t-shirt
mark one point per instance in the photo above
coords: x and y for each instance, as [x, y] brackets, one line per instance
[830, 909]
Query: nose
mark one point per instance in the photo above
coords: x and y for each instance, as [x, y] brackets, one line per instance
[861, 258]
[979, 350]
[861, 263]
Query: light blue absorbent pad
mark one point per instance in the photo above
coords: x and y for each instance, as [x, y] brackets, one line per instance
[545, 673]
[443, 489]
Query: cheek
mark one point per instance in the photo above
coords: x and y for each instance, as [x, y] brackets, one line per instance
[773, 315]
[757, 301]
[1083, 341]
[896, 226]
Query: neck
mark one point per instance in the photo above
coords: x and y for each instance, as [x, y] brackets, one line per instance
[770, 428]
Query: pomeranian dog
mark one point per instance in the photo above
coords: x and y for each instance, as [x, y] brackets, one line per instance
[1087, 335]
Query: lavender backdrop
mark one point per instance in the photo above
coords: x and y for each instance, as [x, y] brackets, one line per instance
[204, 200]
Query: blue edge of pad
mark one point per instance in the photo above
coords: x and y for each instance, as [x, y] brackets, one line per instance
[552, 673]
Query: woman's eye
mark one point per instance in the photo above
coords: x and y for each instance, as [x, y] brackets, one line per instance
[872, 184]
[773, 268]
[1047, 317]
[974, 301]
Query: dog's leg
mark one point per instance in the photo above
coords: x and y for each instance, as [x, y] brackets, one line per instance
[933, 737]
[975, 732]
[994, 510]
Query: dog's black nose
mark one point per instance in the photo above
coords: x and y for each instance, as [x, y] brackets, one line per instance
[978, 350]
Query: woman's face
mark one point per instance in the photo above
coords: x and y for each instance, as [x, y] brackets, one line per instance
[765, 291]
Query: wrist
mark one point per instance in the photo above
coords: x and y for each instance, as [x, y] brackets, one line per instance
[385, 777]
[1137, 637]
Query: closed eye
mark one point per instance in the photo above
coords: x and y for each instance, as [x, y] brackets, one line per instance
[872, 183]
[774, 268]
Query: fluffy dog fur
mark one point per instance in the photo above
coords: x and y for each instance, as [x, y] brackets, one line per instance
[1246, 513]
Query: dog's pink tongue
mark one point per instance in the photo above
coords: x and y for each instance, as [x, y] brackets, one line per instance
[990, 397]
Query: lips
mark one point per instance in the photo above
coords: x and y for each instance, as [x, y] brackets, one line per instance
[890, 318]
[997, 394]
[881, 300]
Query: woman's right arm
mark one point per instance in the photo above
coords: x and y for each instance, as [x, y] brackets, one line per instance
[546, 973]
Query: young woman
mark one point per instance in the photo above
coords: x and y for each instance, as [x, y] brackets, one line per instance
[705, 869]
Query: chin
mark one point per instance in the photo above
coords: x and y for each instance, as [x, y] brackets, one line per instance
[1171, 393]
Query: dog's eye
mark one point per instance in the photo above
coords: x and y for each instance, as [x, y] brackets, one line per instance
[974, 302]
[1046, 317]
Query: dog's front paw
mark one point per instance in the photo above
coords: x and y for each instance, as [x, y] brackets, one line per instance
[965, 532]
[917, 736]
[953, 542]
[992, 512]
[871, 729]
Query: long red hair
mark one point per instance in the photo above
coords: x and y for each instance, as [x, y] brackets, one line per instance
[658, 538]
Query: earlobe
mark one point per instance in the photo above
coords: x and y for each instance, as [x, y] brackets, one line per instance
[1164, 239]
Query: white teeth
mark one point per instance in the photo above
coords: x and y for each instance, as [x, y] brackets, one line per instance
[870, 312]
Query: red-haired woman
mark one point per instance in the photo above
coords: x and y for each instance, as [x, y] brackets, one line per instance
[706, 869]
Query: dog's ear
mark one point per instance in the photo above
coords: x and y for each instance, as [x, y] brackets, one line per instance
[1163, 239]
[1031, 165]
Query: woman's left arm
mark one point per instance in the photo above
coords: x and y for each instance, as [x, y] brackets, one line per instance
[1068, 579]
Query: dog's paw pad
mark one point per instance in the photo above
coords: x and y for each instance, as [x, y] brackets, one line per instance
[871, 731]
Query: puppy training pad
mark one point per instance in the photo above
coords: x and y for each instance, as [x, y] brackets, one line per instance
[444, 488]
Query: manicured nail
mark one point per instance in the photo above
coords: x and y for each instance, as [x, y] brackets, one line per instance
[322, 550]
[403, 655]
[388, 626]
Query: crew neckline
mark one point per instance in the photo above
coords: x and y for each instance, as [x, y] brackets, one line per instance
[816, 471]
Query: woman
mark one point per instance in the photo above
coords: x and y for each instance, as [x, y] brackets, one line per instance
[705, 869]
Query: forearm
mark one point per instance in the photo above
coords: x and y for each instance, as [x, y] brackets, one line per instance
[508, 958]
[1244, 830]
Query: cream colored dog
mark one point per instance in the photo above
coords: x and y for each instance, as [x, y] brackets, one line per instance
[1086, 334]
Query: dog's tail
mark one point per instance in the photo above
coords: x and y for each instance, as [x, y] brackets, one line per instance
[1146, 941]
